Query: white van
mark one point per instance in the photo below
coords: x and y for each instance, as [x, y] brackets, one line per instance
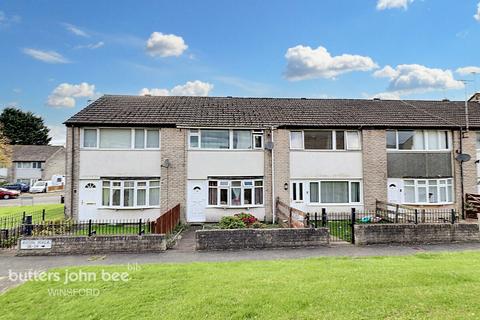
[40, 186]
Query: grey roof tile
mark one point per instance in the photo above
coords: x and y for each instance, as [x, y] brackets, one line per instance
[112, 110]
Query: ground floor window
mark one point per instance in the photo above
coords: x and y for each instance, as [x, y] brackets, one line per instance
[130, 193]
[421, 191]
[235, 193]
[327, 192]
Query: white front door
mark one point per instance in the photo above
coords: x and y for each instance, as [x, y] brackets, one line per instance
[89, 199]
[197, 200]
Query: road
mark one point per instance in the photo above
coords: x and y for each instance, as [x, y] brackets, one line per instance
[27, 199]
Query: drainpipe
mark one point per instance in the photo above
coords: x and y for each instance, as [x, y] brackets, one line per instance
[72, 170]
[462, 189]
[273, 177]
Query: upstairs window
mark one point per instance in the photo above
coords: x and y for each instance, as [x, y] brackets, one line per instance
[115, 138]
[29, 165]
[422, 140]
[325, 140]
[90, 138]
[225, 139]
[121, 138]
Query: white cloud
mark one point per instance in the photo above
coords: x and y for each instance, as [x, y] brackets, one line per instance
[58, 134]
[467, 70]
[64, 95]
[393, 4]
[303, 62]
[191, 88]
[386, 96]
[91, 46]
[415, 78]
[46, 56]
[76, 30]
[165, 45]
[477, 15]
[8, 20]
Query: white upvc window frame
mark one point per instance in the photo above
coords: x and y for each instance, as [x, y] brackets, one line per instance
[425, 134]
[319, 196]
[228, 185]
[197, 132]
[132, 138]
[333, 133]
[416, 185]
[122, 188]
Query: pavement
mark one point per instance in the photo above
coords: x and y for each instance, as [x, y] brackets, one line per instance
[184, 252]
[28, 199]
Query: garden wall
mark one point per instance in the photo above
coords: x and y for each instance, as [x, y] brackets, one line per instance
[63, 245]
[366, 234]
[229, 239]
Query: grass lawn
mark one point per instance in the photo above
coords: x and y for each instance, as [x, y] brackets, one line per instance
[53, 211]
[424, 286]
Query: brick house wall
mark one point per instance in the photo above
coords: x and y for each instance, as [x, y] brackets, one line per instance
[267, 180]
[281, 153]
[54, 165]
[72, 170]
[469, 167]
[173, 179]
[374, 158]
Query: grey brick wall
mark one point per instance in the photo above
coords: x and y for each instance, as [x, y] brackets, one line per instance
[174, 179]
[267, 181]
[55, 165]
[366, 234]
[64, 245]
[374, 157]
[260, 238]
[72, 169]
[281, 153]
[469, 167]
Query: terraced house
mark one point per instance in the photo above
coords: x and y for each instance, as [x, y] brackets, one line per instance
[136, 156]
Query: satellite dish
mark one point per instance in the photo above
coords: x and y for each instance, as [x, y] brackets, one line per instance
[463, 157]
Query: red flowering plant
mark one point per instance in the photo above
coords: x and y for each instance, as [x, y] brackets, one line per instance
[247, 218]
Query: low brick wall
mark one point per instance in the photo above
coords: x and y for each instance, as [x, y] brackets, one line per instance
[366, 234]
[223, 239]
[64, 245]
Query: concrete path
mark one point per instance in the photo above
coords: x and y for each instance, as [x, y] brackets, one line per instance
[22, 264]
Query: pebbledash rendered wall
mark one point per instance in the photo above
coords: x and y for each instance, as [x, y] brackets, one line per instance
[65, 245]
[234, 239]
[366, 234]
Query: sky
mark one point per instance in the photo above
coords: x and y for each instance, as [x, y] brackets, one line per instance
[56, 56]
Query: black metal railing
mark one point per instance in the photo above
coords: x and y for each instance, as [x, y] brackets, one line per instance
[27, 227]
[341, 224]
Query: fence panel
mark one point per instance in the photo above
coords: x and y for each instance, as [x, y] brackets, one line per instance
[167, 222]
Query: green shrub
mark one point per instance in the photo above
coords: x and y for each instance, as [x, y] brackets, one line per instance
[258, 225]
[231, 223]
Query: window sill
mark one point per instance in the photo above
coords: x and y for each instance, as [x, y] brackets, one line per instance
[115, 149]
[235, 207]
[322, 150]
[129, 208]
[418, 151]
[428, 204]
[232, 150]
[319, 204]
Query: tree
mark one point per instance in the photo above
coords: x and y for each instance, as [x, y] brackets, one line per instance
[5, 151]
[23, 127]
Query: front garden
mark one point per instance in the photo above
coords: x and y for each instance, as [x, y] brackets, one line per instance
[423, 286]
